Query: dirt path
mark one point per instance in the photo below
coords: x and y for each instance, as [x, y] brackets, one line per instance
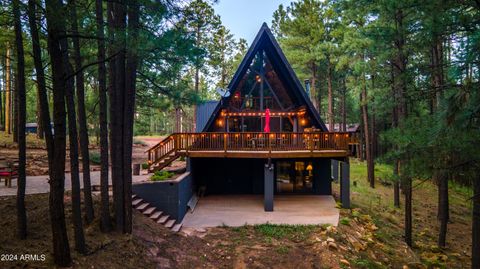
[39, 184]
[37, 161]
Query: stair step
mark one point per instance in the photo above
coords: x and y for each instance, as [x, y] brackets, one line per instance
[170, 223]
[143, 206]
[163, 219]
[134, 196]
[149, 211]
[136, 202]
[156, 215]
[176, 228]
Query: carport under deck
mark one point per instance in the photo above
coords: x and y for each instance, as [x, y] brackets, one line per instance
[239, 210]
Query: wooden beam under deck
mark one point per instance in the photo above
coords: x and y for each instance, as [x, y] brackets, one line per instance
[266, 154]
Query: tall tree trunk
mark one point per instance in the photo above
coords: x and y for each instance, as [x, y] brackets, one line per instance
[15, 110]
[443, 206]
[314, 97]
[361, 142]
[57, 45]
[373, 136]
[112, 75]
[330, 118]
[42, 101]
[116, 145]
[130, 89]
[396, 184]
[82, 118]
[102, 92]
[197, 77]
[8, 92]
[2, 106]
[74, 169]
[344, 105]
[178, 119]
[366, 132]
[38, 115]
[400, 93]
[408, 210]
[476, 223]
[22, 114]
[373, 129]
[396, 180]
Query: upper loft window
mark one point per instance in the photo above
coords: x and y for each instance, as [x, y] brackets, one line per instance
[261, 88]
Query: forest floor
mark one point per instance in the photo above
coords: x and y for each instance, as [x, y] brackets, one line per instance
[37, 161]
[368, 236]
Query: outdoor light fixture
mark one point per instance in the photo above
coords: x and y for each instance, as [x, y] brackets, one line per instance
[309, 167]
[220, 123]
[258, 78]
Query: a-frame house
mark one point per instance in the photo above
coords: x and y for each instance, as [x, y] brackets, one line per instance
[264, 80]
[234, 153]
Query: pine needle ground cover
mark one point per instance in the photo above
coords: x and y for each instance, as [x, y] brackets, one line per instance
[368, 236]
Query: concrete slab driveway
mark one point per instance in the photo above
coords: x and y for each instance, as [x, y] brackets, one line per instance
[238, 210]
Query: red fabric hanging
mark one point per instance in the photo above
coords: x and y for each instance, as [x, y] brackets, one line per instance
[267, 121]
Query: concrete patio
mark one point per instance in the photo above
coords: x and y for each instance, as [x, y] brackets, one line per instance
[239, 210]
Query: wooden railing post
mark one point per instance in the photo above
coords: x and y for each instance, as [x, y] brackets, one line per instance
[225, 137]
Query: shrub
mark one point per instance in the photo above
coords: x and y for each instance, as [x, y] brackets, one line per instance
[95, 157]
[144, 165]
[139, 142]
[161, 175]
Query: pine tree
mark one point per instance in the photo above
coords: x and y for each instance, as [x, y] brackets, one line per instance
[22, 114]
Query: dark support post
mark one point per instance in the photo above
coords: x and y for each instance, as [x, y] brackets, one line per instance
[268, 188]
[189, 164]
[335, 170]
[345, 184]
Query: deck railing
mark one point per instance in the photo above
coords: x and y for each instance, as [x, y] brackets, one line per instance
[248, 141]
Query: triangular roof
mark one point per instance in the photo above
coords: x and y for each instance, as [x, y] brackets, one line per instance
[266, 41]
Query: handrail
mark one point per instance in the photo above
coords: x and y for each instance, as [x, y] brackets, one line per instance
[248, 141]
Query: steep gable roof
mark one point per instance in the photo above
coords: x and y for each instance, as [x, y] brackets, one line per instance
[267, 42]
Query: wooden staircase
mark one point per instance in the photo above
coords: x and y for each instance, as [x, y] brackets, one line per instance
[154, 214]
[162, 154]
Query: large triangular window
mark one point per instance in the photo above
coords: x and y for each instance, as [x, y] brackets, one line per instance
[261, 88]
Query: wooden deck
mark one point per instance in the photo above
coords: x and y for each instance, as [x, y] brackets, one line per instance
[249, 145]
[265, 154]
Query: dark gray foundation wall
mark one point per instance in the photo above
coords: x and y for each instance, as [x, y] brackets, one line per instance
[170, 196]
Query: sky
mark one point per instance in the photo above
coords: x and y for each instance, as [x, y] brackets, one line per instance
[245, 17]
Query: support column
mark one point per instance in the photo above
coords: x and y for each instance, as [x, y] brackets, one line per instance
[345, 184]
[335, 170]
[188, 164]
[268, 188]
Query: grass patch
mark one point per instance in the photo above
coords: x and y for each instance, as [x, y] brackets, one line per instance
[292, 232]
[161, 175]
[6, 140]
[365, 263]
[282, 249]
[139, 142]
[345, 221]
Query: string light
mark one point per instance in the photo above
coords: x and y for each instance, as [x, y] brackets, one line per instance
[223, 114]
